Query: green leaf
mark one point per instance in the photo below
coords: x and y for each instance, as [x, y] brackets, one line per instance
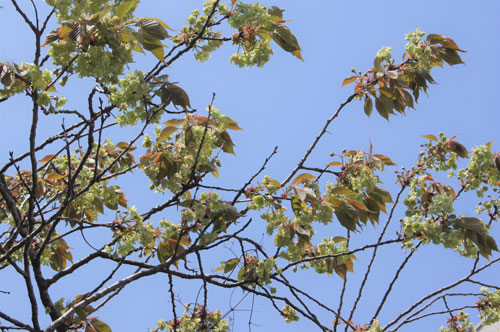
[228, 266]
[167, 131]
[151, 29]
[388, 103]
[124, 8]
[158, 53]
[408, 99]
[100, 326]
[163, 24]
[297, 206]
[368, 106]
[381, 109]
[384, 194]
[346, 219]
[425, 75]
[286, 40]
[227, 143]
[458, 148]
[176, 95]
[451, 57]
[339, 239]
[275, 12]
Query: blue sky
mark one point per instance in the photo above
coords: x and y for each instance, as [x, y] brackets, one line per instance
[286, 104]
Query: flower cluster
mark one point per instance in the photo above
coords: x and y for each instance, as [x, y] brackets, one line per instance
[384, 54]
[210, 40]
[195, 319]
[429, 214]
[290, 314]
[416, 48]
[129, 98]
[373, 327]
[459, 323]
[254, 25]
[481, 171]
[489, 306]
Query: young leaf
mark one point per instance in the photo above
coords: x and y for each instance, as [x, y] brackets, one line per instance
[386, 160]
[46, 158]
[368, 107]
[349, 80]
[174, 122]
[55, 176]
[334, 163]
[231, 124]
[167, 131]
[303, 176]
[228, 266]
[431, 137]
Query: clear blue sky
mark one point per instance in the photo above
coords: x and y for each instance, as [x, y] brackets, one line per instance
[285, 104]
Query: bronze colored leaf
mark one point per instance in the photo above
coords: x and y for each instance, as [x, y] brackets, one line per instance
[451, 57]
[349, 80]
[55, 176]
[174, 122]
[46, 158]
[386, 160]
[176, 95]
[231, 124]
[304, 176]
[431, 137]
